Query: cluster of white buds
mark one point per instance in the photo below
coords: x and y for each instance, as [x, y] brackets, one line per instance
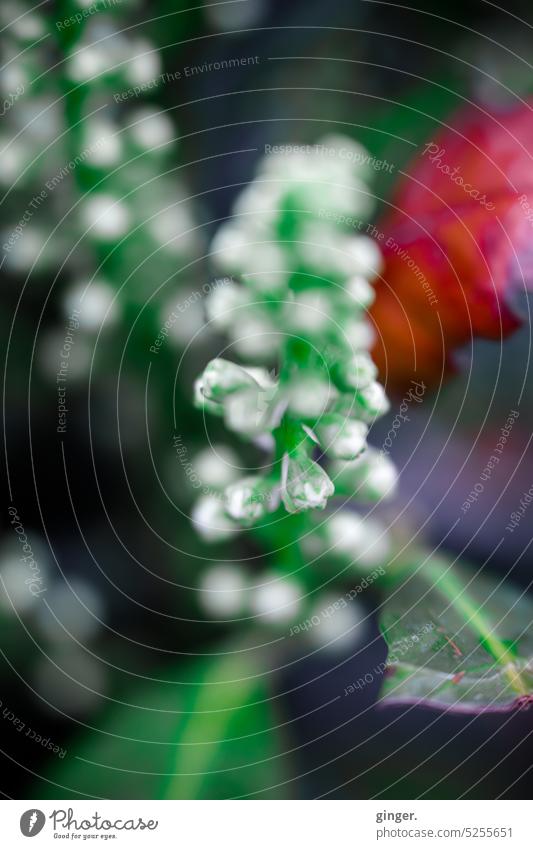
[64, 672]
[85, 166]
[302, 281]
[31, 122]
[229, 592]
[85, 169]
[106, 52]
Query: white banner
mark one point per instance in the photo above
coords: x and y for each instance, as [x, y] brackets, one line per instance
[267, 824]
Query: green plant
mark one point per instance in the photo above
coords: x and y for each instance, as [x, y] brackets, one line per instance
[301, 266]
[455, 638]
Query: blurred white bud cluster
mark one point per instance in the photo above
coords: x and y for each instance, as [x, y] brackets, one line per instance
[228, 592]
[87, 172]
[70, 678]
[134, 208]
[63, 616]
[299, 382]
[31, 122]
[106, 51]
[346, 537]
[296, 314]
[297, 241]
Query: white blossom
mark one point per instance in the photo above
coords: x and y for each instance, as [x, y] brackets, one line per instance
[222, 377]
[371, 477]
[357, 372]
[251, 498]
[216, 466]
[211, 520]
[340, 437]
[277, 599]
[223, 590]
[305, 485]
[106, 217]
[372, 402]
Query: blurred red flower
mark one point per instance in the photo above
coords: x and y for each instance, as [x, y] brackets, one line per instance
[458, 244]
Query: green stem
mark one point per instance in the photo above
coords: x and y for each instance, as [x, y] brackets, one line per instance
[233, 679]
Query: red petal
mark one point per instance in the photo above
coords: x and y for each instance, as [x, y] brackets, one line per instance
[456, 253]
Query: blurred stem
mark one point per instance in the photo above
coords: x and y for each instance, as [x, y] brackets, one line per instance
[231, 680]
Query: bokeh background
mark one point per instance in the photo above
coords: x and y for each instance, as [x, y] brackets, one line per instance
[104, 671]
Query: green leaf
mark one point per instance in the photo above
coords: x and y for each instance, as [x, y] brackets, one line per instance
[209, 734]
[458, 640]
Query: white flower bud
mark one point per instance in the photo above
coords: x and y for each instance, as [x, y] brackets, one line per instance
[340, 437]
[371, 477]
[377, 545]
[95, 301]
[322, 250]
[15, 596]
[262, 376]
[216, 466]
[29, 250]
[255, 337]
[338, 147]
[222, 377]
[355, 373]
[363, 542]
[224, 304]
[103, 143]
[309, 312]
[348, 151]
[310, 396]
[106, 217]
[358, 334]
[366, 257]
[230, 248]
[15, 156]
[250, 499]
[80, 358]
[223, 590]
[381, 479]
[87, 63]
[211, 520]
[173, 228]
[150, 128]
[267, 283]
[145, 63]
[203, 403]
[371, 402]
[74, 611]
[21, 580]
[265, 257]
[15, 77]
[231, 18]
[277, 600]
[360, 291]
[189, 329]
[24, 24]
[345, 533]
[305, 484]
[250, 411]
[260, 200]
